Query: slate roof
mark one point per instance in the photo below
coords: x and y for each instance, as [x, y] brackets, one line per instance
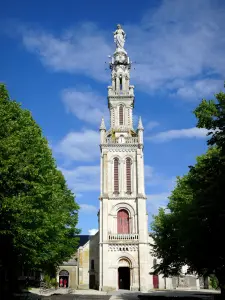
[83, 240]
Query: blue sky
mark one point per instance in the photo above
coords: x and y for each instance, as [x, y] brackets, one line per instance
[52, 58]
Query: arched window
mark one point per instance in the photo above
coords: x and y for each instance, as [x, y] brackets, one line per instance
[128, 174]
[123, 225]
[116, 175]
[121, 115]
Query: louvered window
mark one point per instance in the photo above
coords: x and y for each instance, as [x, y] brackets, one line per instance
[121, 115]
[128, 174]
[116, 175]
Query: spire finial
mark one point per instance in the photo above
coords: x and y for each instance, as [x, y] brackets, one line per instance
[140, 125]
[119, 37]
[102, 126]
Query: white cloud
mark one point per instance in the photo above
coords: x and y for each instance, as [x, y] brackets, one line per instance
[82, 178]
[158, 197]
[148, 172]
[177, 50]
[79, 146]
[150, 125]
[155, 201]
[169, 135]
[86, 105]
[88, 209]
[92, 231]
[82, 49]
[195, 90]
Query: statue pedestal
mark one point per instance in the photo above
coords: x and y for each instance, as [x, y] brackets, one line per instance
[119, 50]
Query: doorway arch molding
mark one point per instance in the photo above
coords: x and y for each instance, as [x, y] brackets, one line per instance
[124, 262]
[124, 256]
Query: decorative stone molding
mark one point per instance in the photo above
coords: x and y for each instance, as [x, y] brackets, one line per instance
[127, 96]
[122, 205]
[122, 198]
[128, 257]
[120, 147]
[118, 247]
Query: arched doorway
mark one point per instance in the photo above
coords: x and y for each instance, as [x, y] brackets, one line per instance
[64, 279]
[123, 225]
[124, 275]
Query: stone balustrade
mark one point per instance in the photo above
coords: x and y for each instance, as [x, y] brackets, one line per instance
[112, 92]
[123, 237]
[127, 140]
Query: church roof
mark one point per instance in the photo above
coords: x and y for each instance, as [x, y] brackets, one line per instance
[140, 125]
[83, 240]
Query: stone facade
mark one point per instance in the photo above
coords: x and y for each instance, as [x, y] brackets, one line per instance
[119, 255]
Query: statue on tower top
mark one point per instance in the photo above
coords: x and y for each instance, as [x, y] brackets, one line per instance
[119, 37]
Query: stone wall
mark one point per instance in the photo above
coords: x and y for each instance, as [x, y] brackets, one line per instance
[185, 281]
[83, 266]
[94, 259]
[72, 275]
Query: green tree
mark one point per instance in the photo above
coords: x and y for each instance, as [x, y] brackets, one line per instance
[192, 232]
[38, 213]
[211, 115]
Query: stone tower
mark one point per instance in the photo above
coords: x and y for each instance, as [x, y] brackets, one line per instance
[123, 220]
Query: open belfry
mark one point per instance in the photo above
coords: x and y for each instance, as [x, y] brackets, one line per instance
[119, 255]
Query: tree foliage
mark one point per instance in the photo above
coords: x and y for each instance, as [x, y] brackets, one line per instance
[191, 233]
[38, 213]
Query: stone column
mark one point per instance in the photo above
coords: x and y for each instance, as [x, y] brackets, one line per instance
[117, 84]
[123, 84]
[100, 248]
[105, 174]
[197, 283]
[121, 177]
[113, 83]
[101, 176]
[140, 172]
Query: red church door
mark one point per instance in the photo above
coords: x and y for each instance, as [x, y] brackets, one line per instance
[155, 281]
[123, 221]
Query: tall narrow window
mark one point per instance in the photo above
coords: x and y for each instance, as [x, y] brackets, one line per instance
[116, 175]
[92, 264]
[121, 87]
[128, 174]
[121, 115]
[123, 225]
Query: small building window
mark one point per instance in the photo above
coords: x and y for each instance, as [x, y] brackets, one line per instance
[92, 264]
[121, 115]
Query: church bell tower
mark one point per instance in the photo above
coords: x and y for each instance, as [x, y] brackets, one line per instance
[123, 219]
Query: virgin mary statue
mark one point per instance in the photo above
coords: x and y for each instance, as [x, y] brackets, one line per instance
[119, 37]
